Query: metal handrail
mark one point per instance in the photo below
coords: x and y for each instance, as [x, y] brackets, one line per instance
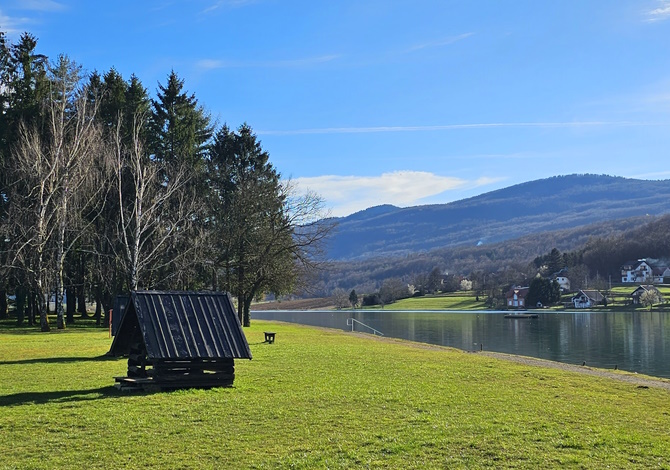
[351, 324]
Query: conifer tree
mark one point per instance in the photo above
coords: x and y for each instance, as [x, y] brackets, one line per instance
[180, 127]
[28, 83]
[555, 262]
[179, 133]
[353, 298]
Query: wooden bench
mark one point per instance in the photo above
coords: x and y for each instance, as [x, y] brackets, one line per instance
[269, 337]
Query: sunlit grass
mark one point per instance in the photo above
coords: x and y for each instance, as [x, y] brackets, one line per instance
[627, 290]
[321, 399]
[458, 301]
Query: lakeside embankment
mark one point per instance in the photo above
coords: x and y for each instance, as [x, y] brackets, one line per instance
[320, 398]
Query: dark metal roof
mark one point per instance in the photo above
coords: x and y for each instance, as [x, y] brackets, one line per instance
[593, 295]
[182, 325]
[644, 288]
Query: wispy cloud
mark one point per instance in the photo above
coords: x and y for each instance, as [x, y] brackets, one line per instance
[42, 5]
[161, 6]
[348, 194]
[213, 64]
[11, 25]
[227, 3]
[447, 127]
[443, 42]
[660, 13]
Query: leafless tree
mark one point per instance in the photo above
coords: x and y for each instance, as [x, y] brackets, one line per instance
[75, 140]
[290, 247]
[392, 289]
[32, 212]
[53, 183]
[340, 298]
[649, 298]
[157, 207]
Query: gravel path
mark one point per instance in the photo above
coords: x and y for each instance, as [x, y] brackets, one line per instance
[621, 376]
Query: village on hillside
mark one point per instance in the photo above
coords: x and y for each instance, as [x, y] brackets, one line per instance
[639, 285]
[643, 283]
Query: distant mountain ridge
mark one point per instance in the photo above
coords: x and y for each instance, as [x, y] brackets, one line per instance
[537, 206]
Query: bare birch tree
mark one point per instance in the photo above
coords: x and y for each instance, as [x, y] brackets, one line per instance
[53, 169]
[75, 140]
[33, 212]
[156, 207]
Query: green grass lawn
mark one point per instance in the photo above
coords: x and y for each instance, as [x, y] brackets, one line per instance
[455, 301]
[625, 291]
[320, 399]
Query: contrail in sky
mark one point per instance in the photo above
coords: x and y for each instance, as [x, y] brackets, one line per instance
[364, 130]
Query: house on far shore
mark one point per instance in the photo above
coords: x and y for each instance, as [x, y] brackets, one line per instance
[562, 279]
[645, 270]
[587, 299]
[516, 297]
[661, 274]
[637, 293]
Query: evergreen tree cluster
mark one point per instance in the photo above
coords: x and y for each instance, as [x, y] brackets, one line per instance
[104, 189]
[543, 291]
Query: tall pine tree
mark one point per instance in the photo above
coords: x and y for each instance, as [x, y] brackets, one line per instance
[179, 134]
[180, 127]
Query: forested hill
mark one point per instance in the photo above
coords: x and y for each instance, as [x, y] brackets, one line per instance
[537, 206]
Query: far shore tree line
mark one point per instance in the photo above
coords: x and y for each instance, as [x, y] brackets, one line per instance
[105, 189]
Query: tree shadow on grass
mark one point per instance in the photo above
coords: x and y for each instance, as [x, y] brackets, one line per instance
[60, 360]
[11, 327]
[63, 396]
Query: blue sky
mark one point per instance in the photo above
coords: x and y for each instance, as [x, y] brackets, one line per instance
[411, 102]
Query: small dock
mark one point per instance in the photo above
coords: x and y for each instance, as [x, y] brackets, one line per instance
[519, 316]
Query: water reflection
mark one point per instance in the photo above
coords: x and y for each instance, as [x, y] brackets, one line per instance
[635, 341]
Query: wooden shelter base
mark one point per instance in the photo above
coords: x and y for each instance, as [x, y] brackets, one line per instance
[165, 383]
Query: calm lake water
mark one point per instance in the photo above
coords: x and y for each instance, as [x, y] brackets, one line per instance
[635, 341]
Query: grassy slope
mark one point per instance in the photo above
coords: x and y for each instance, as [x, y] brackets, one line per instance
[320, 398]
[456, 301]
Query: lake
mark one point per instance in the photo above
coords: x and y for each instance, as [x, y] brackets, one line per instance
[632, 341]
